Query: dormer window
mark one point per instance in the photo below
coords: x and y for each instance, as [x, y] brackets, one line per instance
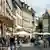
[27, 7]
[22, 4]
[14, 4]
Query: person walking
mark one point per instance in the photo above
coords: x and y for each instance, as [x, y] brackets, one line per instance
[48, 40]
[39, 43]
[18, 40]
[32, 41]
[12, 42]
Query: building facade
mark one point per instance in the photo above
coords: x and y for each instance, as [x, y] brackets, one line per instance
[17, 12]
[27, 20]
[24, 18]
[6, 16]
[46, 22]
[15, 17]
[27, 17]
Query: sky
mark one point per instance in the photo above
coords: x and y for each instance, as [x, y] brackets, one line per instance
[39, 5]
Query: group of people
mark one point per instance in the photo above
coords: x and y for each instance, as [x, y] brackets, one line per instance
[8, 41]
[11, 41]
[41, 41]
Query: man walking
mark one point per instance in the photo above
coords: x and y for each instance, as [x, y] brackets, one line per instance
[12, 42]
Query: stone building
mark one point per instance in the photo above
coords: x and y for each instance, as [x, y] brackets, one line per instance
[6, 17]
[14, 16]
[46, 21]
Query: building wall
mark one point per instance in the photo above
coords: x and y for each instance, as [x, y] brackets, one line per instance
[10, 3]
[3, 7]
[45, 22]
[22, 17]
[19, 21]
[49, 24]
[45, 25]
[19, 11]
[27, 20]
[18, 14]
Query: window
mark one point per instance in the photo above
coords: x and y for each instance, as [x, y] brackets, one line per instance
[19, 21]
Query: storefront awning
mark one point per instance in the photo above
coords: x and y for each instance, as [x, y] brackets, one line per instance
[22, 33]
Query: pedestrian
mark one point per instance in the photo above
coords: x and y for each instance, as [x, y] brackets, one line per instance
[32, 40]
[39, 43]
[7, 40]
[12, 42]
[18, 40]
[48, 40]
[29, 39]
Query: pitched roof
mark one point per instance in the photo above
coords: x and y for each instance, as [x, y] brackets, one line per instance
[46, 14]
